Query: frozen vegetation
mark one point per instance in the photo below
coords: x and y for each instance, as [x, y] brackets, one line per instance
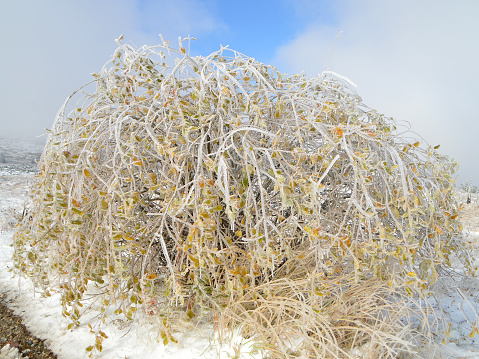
[43, 315]
[218, 206]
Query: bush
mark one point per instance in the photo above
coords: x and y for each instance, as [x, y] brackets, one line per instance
[220, 188]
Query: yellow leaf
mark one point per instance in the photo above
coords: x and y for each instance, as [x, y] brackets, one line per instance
[77, 211]
[87, 173]
[104, 204]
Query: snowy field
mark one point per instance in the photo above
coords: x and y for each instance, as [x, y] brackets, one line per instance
[44, 319]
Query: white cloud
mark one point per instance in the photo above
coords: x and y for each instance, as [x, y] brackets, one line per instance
[413, 60]
[50, 47]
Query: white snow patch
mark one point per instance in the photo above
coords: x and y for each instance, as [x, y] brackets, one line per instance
[8, 352]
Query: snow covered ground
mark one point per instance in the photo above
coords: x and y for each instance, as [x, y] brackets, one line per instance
[44, 319]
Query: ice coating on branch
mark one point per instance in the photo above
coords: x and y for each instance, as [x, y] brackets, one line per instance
[219, 185]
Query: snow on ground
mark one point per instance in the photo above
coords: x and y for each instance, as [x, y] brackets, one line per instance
[44, 319]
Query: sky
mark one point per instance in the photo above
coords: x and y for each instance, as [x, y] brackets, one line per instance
[416, 61]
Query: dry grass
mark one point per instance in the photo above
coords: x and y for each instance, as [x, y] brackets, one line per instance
[320, 317]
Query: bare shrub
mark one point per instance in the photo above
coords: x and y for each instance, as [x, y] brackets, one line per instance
[219, 187]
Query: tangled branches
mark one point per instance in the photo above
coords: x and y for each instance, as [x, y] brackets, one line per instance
[219, 185]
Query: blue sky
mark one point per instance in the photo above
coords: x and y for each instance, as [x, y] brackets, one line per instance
[258, 28]
[412, 60]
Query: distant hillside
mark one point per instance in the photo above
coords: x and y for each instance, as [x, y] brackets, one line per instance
[19, 155]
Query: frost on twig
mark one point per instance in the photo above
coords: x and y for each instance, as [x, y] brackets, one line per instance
[219, 184]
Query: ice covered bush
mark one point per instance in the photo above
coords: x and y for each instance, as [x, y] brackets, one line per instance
[217, 188]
